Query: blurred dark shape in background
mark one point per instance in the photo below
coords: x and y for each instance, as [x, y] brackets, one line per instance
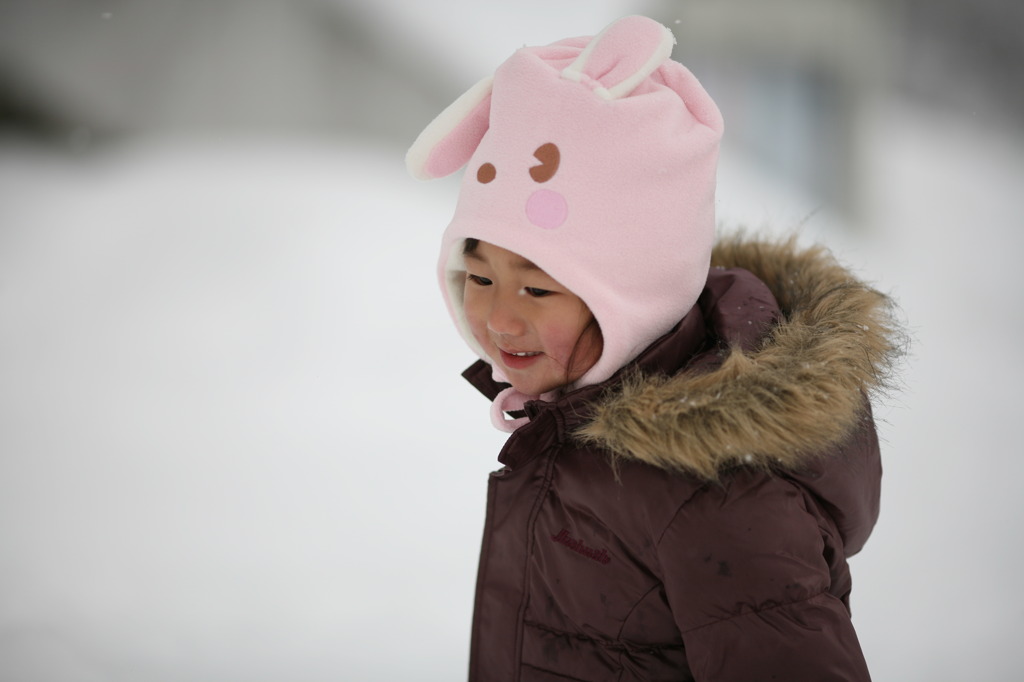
[793, 76]
[798, 78]
[77, 70]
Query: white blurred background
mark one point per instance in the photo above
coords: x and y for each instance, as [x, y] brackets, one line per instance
[234, 444]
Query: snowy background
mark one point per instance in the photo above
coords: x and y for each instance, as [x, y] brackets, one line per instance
[234, 444]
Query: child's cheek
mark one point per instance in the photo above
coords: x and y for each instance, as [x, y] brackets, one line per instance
[560, 341]
[479, 333]
[473, 317]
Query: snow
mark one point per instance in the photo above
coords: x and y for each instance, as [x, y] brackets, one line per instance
[222, 369]
[236, 445]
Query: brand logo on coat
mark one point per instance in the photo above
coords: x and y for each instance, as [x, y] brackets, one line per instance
[598, 555]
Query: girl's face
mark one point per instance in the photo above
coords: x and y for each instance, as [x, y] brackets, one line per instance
[530, 325]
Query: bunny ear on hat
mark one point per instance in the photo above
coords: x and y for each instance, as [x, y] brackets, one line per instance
[619, 58]
[448, 142]
[614, 62]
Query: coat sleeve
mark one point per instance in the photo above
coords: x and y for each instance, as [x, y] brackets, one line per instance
[746, 575]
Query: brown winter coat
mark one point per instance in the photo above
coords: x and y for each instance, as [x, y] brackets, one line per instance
[690, 518]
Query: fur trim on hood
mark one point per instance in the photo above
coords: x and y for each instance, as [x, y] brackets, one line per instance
[802, 390]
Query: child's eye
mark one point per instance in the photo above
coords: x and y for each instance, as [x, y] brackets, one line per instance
[536, 293]
[477, 279]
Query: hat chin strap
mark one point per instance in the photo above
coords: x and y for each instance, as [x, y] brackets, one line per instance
[509, 400]
[512, 400]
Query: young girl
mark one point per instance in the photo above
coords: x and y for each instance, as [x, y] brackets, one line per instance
[692, 456]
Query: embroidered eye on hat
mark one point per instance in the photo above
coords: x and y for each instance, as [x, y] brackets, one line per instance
[595, 159]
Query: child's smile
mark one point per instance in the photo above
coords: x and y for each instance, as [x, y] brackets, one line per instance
[540, 334]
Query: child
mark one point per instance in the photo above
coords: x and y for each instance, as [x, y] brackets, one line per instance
[692, 457]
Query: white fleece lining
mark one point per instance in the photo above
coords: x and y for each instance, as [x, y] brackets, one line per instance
[661, 52]
[455, 281]
[574, 71]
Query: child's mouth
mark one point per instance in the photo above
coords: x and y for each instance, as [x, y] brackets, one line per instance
[519, 360]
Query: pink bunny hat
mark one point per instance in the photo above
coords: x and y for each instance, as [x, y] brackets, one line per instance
[594, 158]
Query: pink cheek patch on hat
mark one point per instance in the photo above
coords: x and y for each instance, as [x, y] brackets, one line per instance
[547, 209]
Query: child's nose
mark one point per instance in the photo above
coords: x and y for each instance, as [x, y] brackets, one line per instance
[506, 319]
